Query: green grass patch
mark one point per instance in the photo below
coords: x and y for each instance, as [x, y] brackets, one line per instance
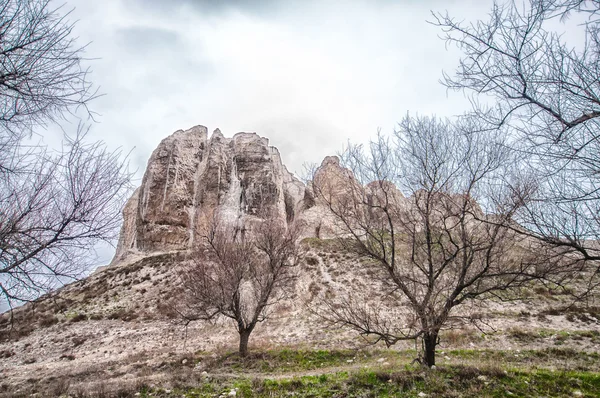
[552, 372]
[557, 358]
[445, 381]
[283, 361]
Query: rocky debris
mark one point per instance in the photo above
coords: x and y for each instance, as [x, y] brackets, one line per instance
[115, 319]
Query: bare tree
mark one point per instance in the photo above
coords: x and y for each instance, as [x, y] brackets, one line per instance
[54, 208]
[41, 74]
[55, 205]
[434, 249]
[524, 76]
[241, 278]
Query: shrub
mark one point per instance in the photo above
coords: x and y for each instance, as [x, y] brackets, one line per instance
[310, 260]
[6, 354]
[95, 316]
[79, 317]
[47, 321]
[123, 314]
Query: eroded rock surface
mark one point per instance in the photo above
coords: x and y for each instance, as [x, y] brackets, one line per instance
[190, 179]
[127, 236]
[167, 192]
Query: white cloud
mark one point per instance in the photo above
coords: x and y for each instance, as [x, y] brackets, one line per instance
[309, 75]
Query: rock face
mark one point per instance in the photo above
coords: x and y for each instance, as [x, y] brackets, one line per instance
[332, 184]
[191, 178]
[128, 235]
[166, 196]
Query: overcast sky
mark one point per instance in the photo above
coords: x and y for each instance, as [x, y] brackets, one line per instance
[309, 75]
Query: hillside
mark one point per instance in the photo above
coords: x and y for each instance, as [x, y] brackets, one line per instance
[113, 331]
[108, 330]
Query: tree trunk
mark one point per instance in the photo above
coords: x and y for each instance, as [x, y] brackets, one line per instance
[244, 337]
[430, 341]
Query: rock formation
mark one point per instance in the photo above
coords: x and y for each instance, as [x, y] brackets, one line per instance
[332, 185]
[190, 178]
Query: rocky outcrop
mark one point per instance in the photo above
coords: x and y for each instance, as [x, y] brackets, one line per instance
[127, 236]
[166, 195]
[190, 179]
[332, 187]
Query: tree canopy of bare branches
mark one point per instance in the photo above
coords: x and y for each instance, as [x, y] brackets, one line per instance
[526, 77]
[55, 204]
[53, 209]
[41, 75]
[414, 217]
[240, 278]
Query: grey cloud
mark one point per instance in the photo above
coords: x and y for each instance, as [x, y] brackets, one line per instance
[269, 8]
[141, 38]
[161, 58]
[216, 7]
[301, 139]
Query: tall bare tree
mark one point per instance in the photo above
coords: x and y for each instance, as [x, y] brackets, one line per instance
[413, 216]
[41, 73]
[54, 208]
[526, 75]
[55, 204]
[241, 278]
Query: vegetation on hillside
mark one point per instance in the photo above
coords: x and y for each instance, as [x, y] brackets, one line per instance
[307, 373]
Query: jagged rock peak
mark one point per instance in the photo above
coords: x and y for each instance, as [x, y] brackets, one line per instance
[330, 160]
[190, 177]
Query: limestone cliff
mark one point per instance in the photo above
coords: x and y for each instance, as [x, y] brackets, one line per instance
[331, 185]
[190, 178]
